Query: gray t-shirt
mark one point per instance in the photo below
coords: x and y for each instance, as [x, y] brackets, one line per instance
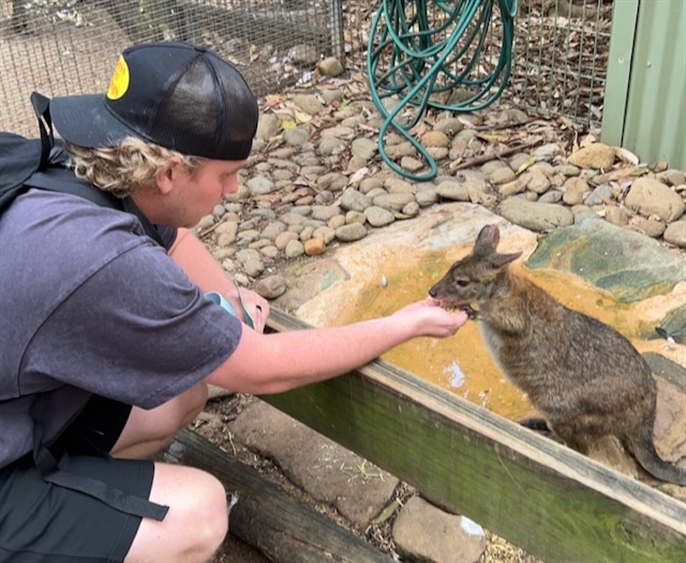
[89, 304]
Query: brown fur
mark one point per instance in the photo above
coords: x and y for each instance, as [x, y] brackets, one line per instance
[587, 379]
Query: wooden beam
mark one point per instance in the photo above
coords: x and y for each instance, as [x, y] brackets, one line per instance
[543, 497]
[266, 517]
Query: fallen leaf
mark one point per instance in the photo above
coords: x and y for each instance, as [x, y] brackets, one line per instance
[626, 156]
[302, 117]
[529, 162]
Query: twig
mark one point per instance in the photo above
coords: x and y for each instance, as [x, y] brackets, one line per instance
[211, 229]
[488, 157]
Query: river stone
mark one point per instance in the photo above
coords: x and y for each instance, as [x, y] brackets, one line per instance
[349, 233]
[636, 267]
[425, 533]
[308, 103]
[331, 145]
[364, 148]
[378, 216]
[260, 185]
[294, 248]
[273, 230]
[675, 233]
[352, 200]
[535, 215]
[268, 126]
[271, 287]
[617, 216]
[456, 191]
[296, 136]
[330, 66]
[325, 212]
[393, 202]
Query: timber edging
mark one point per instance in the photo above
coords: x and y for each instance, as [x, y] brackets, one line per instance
[284, 529]
[543, 497]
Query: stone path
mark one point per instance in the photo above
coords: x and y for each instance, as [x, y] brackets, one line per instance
[316, 204]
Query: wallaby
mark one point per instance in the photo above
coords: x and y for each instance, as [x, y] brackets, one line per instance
[585, 377]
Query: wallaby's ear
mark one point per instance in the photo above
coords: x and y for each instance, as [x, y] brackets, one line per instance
[487, 241]
[500, 260]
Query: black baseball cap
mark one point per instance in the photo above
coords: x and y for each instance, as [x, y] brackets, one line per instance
[170, 93]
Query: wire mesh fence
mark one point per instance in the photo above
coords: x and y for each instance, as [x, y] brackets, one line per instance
[57, 47]
[558, 57]
[62, 47]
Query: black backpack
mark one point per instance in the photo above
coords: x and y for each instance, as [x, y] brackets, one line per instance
[40, 163]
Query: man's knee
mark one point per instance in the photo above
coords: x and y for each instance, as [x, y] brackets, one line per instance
[195, 525]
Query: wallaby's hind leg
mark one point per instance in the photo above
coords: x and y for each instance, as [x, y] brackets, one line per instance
[536, 423]
[572, 437]
[541, 427]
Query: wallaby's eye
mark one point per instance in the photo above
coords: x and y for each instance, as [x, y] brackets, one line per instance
[461, 283]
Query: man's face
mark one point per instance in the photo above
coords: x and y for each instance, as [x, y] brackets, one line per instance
[197, 191]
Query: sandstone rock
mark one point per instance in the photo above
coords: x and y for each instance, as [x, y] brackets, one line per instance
[597, 155]
[327, 471]
[425, 533]
[314, 246]
[651, 197]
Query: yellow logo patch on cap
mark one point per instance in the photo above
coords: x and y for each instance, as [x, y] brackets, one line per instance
[120, 80]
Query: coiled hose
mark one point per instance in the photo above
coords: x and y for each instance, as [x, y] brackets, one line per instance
[422, 61]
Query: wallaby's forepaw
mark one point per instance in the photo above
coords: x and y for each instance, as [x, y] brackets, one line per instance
[471, 313]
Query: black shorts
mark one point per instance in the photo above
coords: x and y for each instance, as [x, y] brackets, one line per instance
[41, 522]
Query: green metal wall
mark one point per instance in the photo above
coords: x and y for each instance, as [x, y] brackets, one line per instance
[645, 97]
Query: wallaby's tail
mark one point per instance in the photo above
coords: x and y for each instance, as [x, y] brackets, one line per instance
[645, 453]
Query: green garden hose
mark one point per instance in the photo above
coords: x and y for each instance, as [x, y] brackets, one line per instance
[419, 62]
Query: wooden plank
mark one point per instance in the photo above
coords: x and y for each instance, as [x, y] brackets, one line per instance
[266, 517]
[539, 495]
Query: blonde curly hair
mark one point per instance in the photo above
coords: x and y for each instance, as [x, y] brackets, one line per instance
[126, 167]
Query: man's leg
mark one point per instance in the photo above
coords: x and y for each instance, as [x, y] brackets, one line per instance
[147, 431]
[197, 521]
[195, 525]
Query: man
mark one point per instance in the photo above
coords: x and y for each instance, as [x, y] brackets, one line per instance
[107, 339]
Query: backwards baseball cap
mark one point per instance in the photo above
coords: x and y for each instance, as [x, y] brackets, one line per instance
[173, 94]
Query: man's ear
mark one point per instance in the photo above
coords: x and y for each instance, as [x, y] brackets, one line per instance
[168, 174]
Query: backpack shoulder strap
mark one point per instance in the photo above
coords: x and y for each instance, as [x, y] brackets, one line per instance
[37, 163]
